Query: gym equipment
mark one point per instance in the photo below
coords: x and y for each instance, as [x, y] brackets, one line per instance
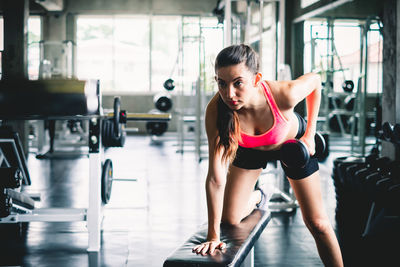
[10, 177]
[396, 133]
[239, 239]
[10, 148]
[108, 135]
[334, 102]
[295, 154]
[387, 131]
[169, 84]
[367, 193]
[106, 181]
[349, 102]
[162, 102]
[334, 124]
[348, 86]
[5, 205]
[156, 128]
[48, 98]
[117, 118]
[60, 100]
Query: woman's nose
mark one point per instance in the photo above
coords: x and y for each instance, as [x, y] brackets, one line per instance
[231, 92]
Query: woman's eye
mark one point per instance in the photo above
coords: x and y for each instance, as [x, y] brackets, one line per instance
[238, 83]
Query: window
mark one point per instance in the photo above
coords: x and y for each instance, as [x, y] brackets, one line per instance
[213, 36]
[114, 49]
[342, 59]
[120, 50]
[164, 50]
[34, 36]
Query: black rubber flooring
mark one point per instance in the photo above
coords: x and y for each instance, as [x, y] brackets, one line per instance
[145, 220]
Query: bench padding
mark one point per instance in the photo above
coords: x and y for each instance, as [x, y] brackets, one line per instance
[239, 240]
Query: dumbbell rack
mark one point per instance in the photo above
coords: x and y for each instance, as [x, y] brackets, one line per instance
[367, 190]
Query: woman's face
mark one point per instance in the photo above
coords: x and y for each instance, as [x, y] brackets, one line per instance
[235, 85]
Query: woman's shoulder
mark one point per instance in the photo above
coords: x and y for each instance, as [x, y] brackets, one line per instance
[211, 116]
[212, 106]
[279, 91]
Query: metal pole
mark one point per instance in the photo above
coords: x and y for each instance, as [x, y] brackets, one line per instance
[150, 51]
[228, 23]
[180, 95]
[248, 22]
[281, 32]
[361, 122]
[260, 53]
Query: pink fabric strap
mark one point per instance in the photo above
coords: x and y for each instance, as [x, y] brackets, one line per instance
[275, 134]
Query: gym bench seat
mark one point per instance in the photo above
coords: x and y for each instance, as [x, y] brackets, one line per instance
[239, 239]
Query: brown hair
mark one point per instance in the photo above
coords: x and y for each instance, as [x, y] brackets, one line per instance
[227, 119]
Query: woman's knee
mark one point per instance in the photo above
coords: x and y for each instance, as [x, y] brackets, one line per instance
[231, 219]
[318, 226]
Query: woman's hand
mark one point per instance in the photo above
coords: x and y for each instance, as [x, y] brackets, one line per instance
[309, 140]
[209, 247]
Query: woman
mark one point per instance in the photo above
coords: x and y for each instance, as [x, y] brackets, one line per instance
[246, 123]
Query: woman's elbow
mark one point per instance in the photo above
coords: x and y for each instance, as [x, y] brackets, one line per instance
[217, 181]
[317, 81]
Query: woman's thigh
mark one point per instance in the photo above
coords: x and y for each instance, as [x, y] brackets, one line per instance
[308, 194]
[238, 189]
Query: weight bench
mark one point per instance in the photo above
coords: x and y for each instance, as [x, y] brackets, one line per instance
[239, 239]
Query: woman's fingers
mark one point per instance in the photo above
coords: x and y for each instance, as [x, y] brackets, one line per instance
[205, 249]
[208, 247]
[213, 246]
[221, 245]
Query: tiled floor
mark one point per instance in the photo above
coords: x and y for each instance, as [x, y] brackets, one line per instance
[145, 220]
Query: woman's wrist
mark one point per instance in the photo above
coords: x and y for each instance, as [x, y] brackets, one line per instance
[213, 237]
[310, 132]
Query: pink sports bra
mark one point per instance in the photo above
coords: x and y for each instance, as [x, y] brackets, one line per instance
[275, 134]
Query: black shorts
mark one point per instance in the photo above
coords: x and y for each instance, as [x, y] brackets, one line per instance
[252, 159]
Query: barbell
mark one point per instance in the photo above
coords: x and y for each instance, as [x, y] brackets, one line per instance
[113, 134]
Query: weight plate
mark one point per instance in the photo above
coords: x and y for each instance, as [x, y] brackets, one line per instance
[387, 130]
[320, 145]
[169, 84]
[348, 86]
[163, 103]
[110, 134]
[106, 181]
[294, 154]
[117, 110]
[104, 133]
[349, 102]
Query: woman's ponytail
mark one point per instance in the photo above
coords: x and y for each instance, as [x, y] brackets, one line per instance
[228, 131]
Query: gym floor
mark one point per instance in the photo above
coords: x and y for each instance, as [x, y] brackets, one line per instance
[147, 219]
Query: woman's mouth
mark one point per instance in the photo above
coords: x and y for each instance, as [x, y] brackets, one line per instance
[233, 102]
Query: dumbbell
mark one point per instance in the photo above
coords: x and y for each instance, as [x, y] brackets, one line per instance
[294, 153]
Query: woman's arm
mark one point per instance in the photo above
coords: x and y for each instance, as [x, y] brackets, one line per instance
[289, 93]
[215, 183]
